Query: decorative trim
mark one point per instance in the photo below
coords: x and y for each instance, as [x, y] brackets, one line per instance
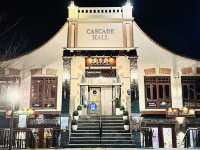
[187, 70]
[165, 71]
[198, 70]
[50, 71]
[36, 71]
[150, 71]
[130, 53]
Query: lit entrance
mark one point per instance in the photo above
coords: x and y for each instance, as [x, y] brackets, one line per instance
[94, 101]
[101, 101]
[99, 98]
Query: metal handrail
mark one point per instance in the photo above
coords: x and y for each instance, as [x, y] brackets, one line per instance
[100, 128]
[69, 128]
[186, 132]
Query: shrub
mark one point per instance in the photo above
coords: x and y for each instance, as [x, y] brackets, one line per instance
[125, 113]
[74, 122]
[79, 107]
[122, 108]
[126, 122]
[75, 113]
[117, 103]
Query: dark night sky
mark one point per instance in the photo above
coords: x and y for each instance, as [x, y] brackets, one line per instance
[27, 24]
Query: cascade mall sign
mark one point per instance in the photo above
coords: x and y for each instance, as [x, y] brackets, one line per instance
[100, 35]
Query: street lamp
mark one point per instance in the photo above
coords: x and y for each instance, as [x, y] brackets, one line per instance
[13, 96]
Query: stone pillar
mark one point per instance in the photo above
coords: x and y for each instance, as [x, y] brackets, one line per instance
[66, 86]
[135, 108]
[134, 86]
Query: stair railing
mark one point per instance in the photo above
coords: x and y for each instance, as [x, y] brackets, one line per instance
[69, 128]
[100, 129]
[184, 141]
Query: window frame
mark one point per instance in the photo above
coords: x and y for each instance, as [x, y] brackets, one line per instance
[42, 96]
[188, 81]
[153, 83]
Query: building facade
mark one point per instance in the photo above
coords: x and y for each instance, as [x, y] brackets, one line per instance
[101, 55]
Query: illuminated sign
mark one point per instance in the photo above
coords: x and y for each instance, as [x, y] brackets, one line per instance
[100, 73]
[93, 107]
[100, 35]
[100, 61]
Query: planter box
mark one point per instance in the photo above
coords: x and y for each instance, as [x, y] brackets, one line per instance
[74, 127]
[125, 117]
[126, 127]
[76, 117]
[79, 112]
[118, 111]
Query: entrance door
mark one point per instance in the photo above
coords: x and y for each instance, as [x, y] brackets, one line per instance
[106, 100]
[94, 106]
[167, 137]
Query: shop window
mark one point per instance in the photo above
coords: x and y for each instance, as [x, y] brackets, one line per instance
[157, 92]
[191, 91]
[43, 92]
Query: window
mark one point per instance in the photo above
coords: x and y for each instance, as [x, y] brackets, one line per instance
[191, 91]
[157, 92]
[43, 92]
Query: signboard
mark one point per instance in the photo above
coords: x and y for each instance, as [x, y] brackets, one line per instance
[100, 61]
[93, 107]
[100, 73]
[22, 121]
[64, 123]
[99, 35]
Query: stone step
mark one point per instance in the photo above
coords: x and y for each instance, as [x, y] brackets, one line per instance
[88, 124]
[88, 121]
[113, 142]
[86, 131]
[116, 142]
[116, 134]
[112, 124]
[84, 134]
[86, 138]
[85, 142]
[113, 127]
[112, 121]
[101, 146]
[115, 131]
[98, 138]
[88, 127]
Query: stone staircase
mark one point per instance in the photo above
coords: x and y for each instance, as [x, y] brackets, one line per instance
[110, 134]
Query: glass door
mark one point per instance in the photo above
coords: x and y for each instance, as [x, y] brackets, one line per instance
[94, 103]
[167, 137]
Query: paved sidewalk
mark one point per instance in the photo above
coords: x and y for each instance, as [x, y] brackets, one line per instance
[115, 149]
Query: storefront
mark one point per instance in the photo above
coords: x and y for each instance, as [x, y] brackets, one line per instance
[99, 80]
[102, 52]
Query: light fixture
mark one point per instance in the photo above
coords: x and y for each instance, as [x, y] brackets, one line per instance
[191, 111]
[13, 94]
[180, 120]
[128, 4]
[169, 110]
[185, 110]
[71, 4]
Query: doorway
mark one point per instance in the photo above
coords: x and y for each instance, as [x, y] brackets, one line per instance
[100, 100]
[94, 101]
